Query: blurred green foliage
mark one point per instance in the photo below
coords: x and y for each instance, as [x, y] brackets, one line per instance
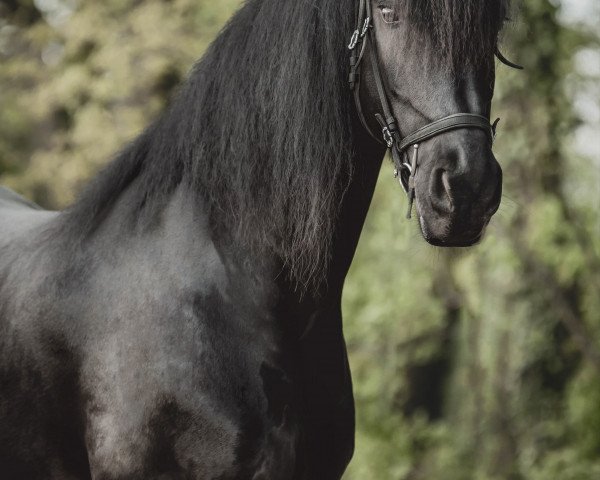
[481, 364]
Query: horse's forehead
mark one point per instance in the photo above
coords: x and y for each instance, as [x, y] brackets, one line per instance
[461, 31]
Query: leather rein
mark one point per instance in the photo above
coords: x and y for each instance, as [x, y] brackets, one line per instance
[405, 167]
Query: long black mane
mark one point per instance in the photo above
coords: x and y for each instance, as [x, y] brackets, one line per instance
[464, 31]
[262, 131]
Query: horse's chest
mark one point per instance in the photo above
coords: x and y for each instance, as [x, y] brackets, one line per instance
[180, 446]
[196, 397]
[203, 434]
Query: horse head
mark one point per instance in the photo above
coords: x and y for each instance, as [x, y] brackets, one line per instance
[427, 86]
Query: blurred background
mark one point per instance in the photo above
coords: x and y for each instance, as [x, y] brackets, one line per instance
[475, 364]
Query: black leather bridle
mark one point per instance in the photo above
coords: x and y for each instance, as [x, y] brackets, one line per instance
[405, 168]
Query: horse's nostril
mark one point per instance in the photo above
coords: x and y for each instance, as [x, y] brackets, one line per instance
[446, 184]
[440, 192]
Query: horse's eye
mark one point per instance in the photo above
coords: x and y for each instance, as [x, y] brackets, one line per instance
[389, 14]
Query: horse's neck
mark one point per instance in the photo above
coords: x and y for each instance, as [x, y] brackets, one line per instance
[352, 215]
[356, 203]
[306, 309]
[182, 217]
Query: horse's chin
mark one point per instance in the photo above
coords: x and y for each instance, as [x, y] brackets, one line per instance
[448, 232]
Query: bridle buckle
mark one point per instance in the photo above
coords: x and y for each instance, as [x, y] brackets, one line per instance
[387, 137]
[354, 40]
[365, 27]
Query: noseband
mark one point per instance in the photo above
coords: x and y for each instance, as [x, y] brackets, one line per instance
[405, 168]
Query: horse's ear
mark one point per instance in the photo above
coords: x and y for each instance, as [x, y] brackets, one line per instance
[506, 61]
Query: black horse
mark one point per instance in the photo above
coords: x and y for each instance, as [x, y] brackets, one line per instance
[182, 319]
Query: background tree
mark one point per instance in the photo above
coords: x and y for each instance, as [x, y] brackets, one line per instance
[489, 358]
